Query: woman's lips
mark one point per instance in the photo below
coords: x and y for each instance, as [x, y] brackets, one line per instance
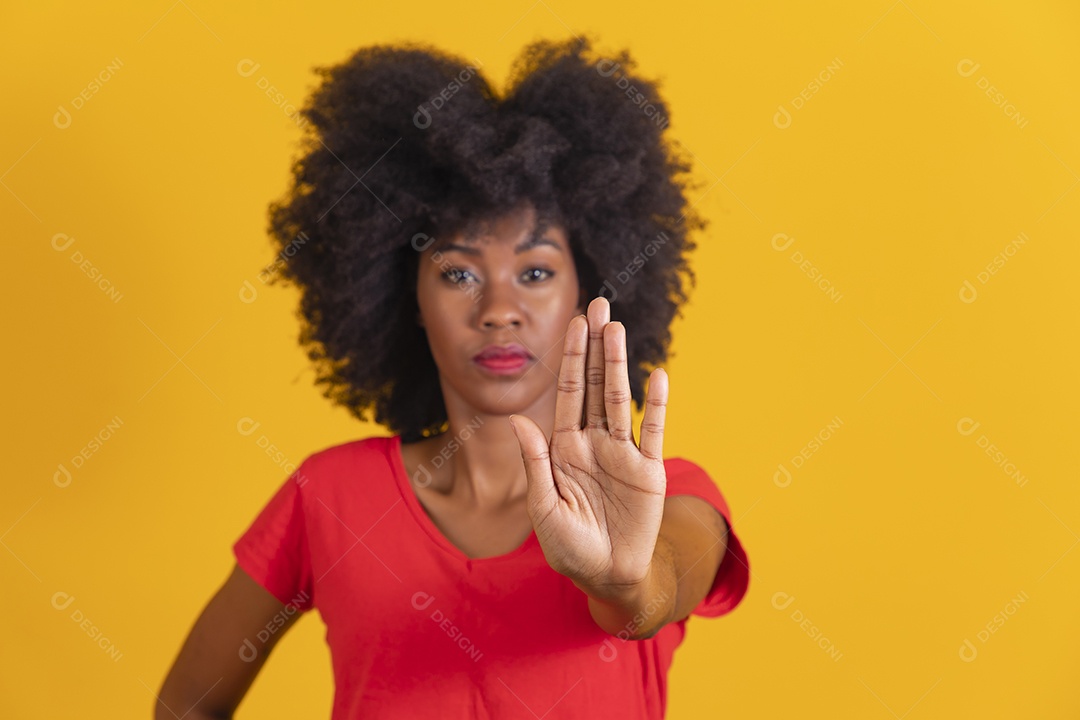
[506, 359]
[504, 365]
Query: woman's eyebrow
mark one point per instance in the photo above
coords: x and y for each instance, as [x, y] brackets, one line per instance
[535, 239]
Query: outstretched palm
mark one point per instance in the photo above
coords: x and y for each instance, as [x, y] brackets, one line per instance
[596, 499]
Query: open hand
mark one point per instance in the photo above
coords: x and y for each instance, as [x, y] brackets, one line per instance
[595, 497]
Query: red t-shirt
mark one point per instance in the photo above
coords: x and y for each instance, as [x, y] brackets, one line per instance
[415, 626]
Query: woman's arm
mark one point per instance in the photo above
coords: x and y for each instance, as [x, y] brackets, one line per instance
[224, 651]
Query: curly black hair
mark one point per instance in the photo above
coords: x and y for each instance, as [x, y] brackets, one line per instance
[407, 142]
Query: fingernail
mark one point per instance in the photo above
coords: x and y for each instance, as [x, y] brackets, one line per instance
[513, 425]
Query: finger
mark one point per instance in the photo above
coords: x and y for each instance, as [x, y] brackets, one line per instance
[652, 424]
[616, 383]
[570, 397]
[542, 495]
[599, 314]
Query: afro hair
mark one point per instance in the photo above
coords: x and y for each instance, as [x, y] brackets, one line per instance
[407, 141]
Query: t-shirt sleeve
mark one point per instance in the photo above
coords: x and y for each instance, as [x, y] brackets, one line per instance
[274, 548]
[733, 577]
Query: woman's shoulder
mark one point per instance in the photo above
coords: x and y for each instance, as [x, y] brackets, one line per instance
[681, 466]
[686, 477]
[330, 459]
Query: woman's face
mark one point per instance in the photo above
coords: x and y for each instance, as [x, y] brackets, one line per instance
[505, 285]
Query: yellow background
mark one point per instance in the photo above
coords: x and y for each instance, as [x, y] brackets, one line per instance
[898, 537]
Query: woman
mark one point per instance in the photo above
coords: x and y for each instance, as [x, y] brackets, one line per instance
[511, 550]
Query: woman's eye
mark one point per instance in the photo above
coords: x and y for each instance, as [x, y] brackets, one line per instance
[530, 273]
[460, 277]
[456, 275]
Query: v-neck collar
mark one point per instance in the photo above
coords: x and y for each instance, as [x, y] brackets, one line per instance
[397, 462]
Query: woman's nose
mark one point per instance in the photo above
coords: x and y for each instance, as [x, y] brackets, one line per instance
[500, 307]
[500, 318]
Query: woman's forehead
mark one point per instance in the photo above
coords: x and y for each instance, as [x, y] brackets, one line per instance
[524, 230]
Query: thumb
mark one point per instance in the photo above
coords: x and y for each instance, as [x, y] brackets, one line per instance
[536, 455]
